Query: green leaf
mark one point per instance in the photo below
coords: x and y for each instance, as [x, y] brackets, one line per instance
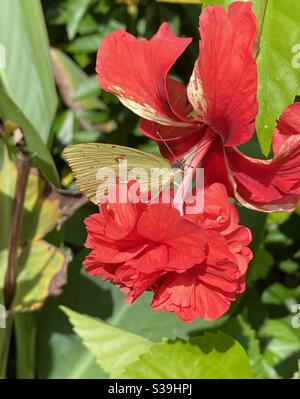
[282, 349]
[27, 78]
[260, 266]
[42, 157]
[256, 222]
[7, 189]
[297, 374]
[278, 294]
[278, 217]
[90, 43]
[276, 238]
[70, 78]
[37, 276]
[180, 1]
[279, 79]
[41, 267]
[210, 356]
[87, 88]
[85, 44]
[25, 333]
[66, 129]
[127, 355]
[42, 272]
[113, 348]
[75, 12]
[240, 329]
[5, 338]
[289, 266]
[57, 343]
[42, 211]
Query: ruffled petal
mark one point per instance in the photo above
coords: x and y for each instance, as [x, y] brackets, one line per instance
[190, 296]
[223, 86]
[136, 71]
[133, 282]
[180, 243]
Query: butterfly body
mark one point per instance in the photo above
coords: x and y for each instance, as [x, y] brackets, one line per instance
[177, 166]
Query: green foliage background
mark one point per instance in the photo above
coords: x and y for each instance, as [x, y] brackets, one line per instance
[45, 345]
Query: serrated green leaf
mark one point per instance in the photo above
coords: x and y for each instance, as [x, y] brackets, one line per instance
[240, 329]
[59, 347]
[113, 348]
[209, 356]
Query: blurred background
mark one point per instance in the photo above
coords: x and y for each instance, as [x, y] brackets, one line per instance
[63, 103]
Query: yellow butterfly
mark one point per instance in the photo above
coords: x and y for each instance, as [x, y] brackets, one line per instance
[87, 159]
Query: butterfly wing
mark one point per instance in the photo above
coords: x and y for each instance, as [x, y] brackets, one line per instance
[88, 160]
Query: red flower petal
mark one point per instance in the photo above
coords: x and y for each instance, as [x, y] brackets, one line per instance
[194, 264]
[190, 297]
[224, 82]
[136, 71]
[288, 125]
[271, 185]
[134, 282]
[216, 168]
[178, 140]
[180, 243]
[111, 233]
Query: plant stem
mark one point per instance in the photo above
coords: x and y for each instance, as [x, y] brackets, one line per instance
[5, 335]
[23, 170]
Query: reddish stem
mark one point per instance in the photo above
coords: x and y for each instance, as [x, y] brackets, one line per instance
[23, 170]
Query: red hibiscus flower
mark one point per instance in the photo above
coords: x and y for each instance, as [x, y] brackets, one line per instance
[194, 264]
[218, 106]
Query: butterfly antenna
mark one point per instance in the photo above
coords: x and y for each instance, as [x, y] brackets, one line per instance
[166, 144]
[191, 154]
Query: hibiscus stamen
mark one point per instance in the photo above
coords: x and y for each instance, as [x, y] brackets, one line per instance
[190, 171]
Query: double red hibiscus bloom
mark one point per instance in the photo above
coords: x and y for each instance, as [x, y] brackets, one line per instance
[194, 264]
[220, 102]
